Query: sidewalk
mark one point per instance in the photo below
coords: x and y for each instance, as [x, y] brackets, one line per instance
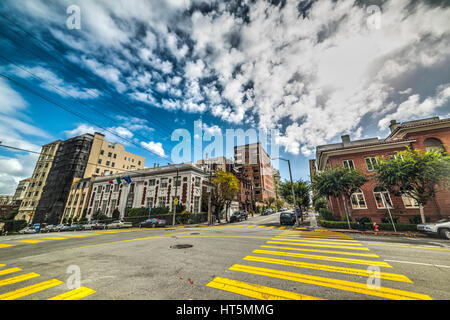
[382, 233]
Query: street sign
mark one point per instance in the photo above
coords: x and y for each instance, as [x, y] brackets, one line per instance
[175, 201]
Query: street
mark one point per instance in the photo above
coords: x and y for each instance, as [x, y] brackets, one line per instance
[256, 258]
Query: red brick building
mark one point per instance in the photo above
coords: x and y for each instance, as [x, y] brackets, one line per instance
[427, 135]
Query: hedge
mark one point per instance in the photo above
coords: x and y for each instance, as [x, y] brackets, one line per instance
[326, 214]
[369, 226]
[14, 225]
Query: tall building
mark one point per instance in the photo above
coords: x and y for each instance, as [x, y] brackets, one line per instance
[254, 162]
[276, 182]
[64, 161]
[21, 189]
[37, 181]
[429, 135]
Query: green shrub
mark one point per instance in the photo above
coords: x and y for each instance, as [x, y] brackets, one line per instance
[381, 226]
[160, 210]
[326, 214]
[14, 225]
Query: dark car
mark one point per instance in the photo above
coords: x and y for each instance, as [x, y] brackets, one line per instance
[244, 215]
[75, 227]
[237, 216]
[49, 228]
[287, 218]
[152, 223]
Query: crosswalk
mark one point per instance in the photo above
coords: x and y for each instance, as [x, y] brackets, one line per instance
[11, 287]
[332, 266]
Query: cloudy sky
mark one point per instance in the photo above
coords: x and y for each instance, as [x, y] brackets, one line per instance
[138, 70]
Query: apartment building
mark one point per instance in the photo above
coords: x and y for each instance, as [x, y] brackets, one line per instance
[105, 158]
[253, 161]
[432, 134]
[37, 182]
[150, 187]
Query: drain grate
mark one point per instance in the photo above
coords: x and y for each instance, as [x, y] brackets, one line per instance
[181, 246]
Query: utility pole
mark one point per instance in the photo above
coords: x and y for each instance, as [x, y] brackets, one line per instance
[175, 199]
[210, 219]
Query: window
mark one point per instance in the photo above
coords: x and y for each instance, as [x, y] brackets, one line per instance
[97, 170]
[107, 163]
[115, 156]
[132, 187]
[102, 152]
[162, 201]
[357, 200]
[382, 197]
[151, 182]
[197, 181]
[99, 161]
[82, 198]
[116, 187]
[394, 156]
[433, 145]
[149, 201]
[113, 164]
[409, 202]
[196, 204]
[348, 164]
[139, 163]
[177, 181]
[371, 162]
[109, 154]
[163, 182]
[132, 160]
[107, 188]
[36, 193]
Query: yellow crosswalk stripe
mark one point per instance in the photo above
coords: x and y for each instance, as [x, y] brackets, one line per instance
[256, 291]
[320, 245]
[29, 241]
[75, 294]
[270, 227]
[260, 226]
[324, 251]
[253, 225]
[54, 238]
[325, 258]
[323, 267]
[6, 245]
[8, 271]
[281, 228]
[315, 241]
[75, 235]
[18, 279]
[382, 292]
[30, 289]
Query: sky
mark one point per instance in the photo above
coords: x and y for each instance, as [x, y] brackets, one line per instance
[138, 70]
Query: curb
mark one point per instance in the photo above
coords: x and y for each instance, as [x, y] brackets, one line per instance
[380, 233]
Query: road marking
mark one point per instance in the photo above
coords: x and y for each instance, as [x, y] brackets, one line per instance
[29, 241]
[326, 251]
[405, 246]
[261, 226]
[6, 245]
[324, 267]
[319, 245]
[315, 241]
[270, 227]
[30, 289]
[54, 238]
[256, 291]
[253, 225]
[18, 279]
[8, 271]
[75, 235]
[333, 283]
[420, 263]
[281, 228]
[316, 237]
[75, 294]
[325, 258]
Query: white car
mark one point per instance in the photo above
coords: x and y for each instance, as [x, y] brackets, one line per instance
[27, 230]
[441, 227]
[119, 225]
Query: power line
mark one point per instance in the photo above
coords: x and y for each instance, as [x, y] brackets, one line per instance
[154, 121]
[74, 113]
[19, 149]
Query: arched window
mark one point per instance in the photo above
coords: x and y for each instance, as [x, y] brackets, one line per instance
[433, 145]
[382, 198]
[357, 199]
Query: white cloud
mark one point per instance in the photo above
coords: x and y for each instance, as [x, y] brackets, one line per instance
[155, 147]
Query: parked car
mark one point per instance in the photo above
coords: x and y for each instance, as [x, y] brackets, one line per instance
[59, 227]
[119, 225]
[236, 216]
[27, 230]
[441, 227]
[75, 227]
[49, 228]
[244, 215]
[64, 227]
[152, 223]
[287, 218]
[94, 225]
[266, 212]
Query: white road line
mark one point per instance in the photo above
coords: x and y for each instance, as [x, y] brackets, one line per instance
[420, 263]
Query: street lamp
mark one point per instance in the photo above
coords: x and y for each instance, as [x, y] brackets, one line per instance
[292, 188]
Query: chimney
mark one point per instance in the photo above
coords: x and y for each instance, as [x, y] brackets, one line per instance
[394, 124]
[345, 140]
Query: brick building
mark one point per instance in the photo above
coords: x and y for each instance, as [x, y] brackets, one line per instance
[432, 134]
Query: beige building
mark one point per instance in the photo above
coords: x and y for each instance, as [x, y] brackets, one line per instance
[37, 181]
[106, 158]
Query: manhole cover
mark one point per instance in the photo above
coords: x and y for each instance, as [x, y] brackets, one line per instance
[195, 233]
[181, 246]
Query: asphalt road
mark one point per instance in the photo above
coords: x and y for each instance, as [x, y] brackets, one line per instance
[253, 259]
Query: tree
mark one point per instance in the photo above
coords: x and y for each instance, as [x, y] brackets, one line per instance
[271, 201]
[116, 214]
[339, 182]
[301, 192]
[319, 203]
[225, 188]
[415, 174]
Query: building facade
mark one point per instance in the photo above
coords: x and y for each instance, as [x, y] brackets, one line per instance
[253, 160]
[371, 200]
[37, 181]
[151, 187]
[21, 189]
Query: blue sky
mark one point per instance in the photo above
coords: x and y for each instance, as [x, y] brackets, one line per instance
[138, 70]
